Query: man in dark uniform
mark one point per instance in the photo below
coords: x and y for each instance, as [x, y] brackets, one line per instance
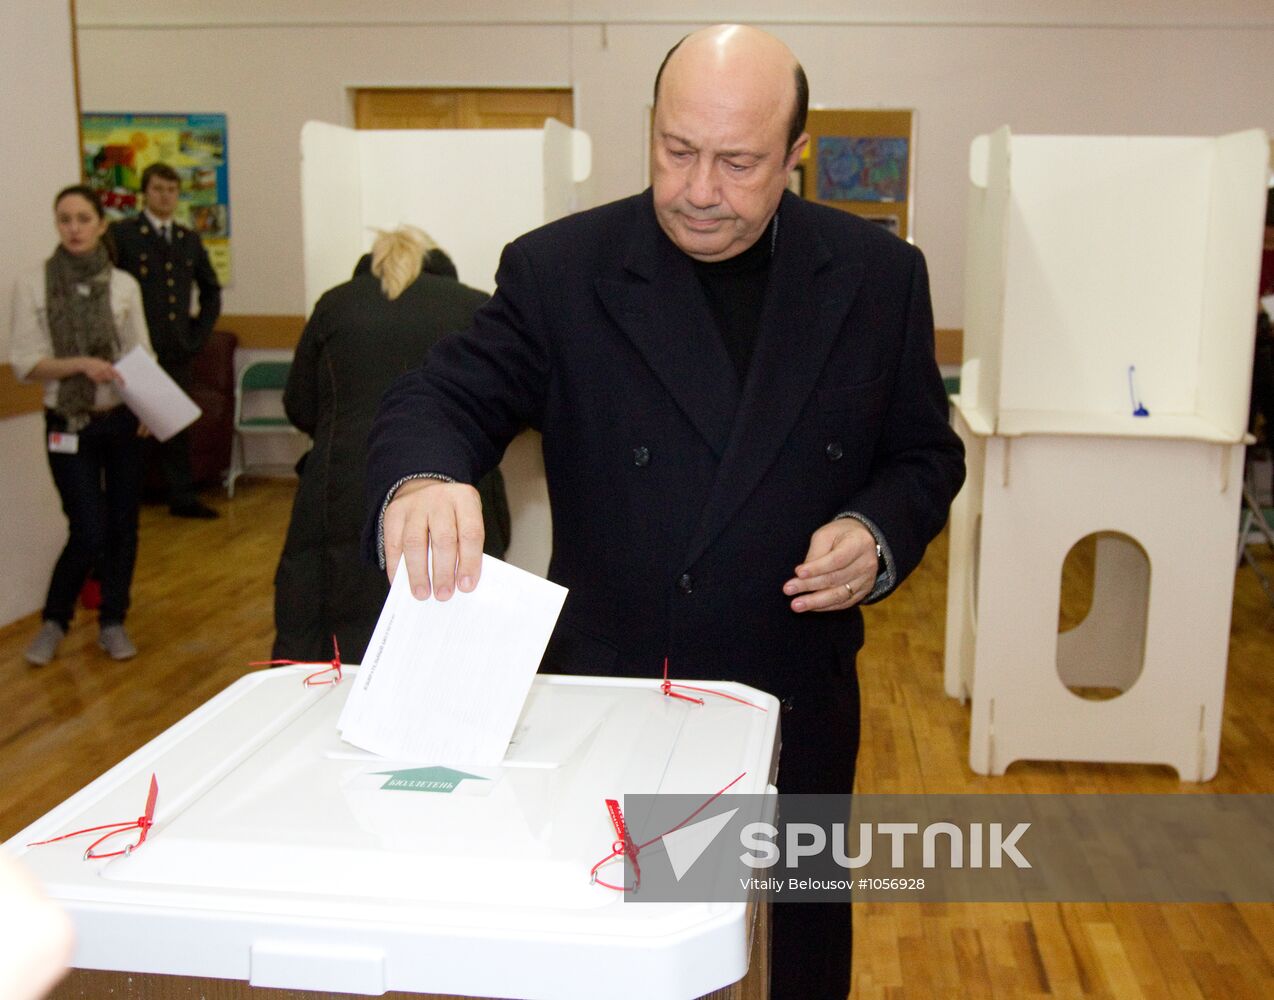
[167, 259]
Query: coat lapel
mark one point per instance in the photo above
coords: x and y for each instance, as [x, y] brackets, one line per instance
[661, 308]
[807, 297]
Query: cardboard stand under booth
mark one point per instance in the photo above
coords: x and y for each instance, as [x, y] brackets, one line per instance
[473, 191]
[282, 857]
[1110, 296]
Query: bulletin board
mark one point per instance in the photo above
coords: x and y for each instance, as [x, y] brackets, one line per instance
[861, 162]
[118, 147]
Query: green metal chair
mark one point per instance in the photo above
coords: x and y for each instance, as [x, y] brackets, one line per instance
[269, 377]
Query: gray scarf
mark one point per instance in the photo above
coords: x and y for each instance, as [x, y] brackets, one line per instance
[77, 294]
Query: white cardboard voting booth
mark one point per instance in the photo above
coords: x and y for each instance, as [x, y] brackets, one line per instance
[279, 858]
[1105, 275]
[473, 191]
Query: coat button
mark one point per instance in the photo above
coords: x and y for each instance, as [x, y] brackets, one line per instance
[788, 703]
[685, 584]
[641, 456]
[834, 451]
[168, 266]
[172, 316]
[171, 283]
[172, 298]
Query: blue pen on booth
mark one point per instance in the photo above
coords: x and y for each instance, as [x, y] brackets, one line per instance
[1138, 410]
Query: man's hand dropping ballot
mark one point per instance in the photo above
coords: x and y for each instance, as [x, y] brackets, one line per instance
[443, 682]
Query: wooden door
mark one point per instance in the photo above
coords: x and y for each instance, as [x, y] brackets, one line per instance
[430, 107]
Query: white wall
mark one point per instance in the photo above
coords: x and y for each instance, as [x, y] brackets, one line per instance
[1084, 66]
[37, 106]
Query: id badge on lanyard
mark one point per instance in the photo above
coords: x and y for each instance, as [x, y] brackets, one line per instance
[62, 443]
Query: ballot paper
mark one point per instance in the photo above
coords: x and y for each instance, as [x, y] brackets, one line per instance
[151, 393]
[443, 682]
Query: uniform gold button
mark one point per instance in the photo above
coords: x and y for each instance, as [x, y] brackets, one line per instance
[171, 282]
[172, 298]
[172, 315]
[168, 266]
[144, 272]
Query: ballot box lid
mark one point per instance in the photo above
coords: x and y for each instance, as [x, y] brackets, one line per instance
[283, 856]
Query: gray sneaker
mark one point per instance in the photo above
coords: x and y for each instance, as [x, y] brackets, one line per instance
[116, 642]
[45, 644]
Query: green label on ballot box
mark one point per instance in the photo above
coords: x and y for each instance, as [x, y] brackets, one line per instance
[426, 779]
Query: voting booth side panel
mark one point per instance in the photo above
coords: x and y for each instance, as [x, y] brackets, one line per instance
[1105, 272]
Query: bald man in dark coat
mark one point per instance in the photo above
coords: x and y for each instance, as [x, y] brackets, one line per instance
[745, 431]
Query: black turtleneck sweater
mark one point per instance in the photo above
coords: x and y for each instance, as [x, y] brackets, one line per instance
[735, 289]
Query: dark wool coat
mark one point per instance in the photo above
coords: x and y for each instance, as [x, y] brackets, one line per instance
[682, 501]
[355, 344]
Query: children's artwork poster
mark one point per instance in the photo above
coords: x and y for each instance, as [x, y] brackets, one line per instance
[118, 147]
[862, 169]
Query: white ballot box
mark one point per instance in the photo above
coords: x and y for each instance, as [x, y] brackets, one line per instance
[281, 857]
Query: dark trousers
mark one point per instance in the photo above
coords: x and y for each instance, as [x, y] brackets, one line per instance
[174, 454]
[812, 943]
[100, 487]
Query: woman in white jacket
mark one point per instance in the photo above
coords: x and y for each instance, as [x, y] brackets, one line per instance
[72, 319]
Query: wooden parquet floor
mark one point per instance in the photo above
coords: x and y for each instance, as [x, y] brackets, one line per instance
[203, 609]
